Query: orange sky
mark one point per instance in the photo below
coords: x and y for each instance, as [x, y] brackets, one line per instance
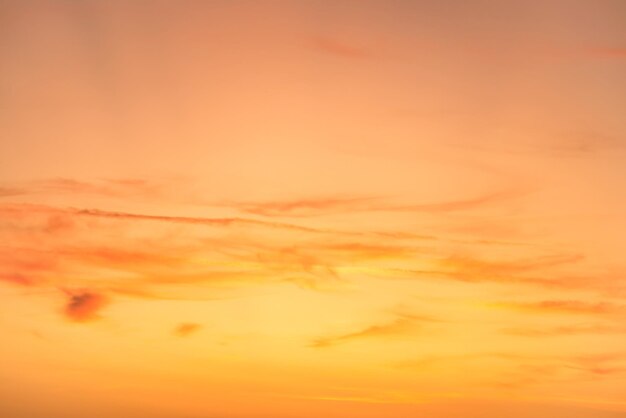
[295, 209]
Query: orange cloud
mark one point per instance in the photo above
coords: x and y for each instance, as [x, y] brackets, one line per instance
[25, 210]
[105, 188]
[564, 330]
[564, 307]
[111, 257]
[84, 305]
[9, 192]
[326, 206]
[308, 207]
[153, 267]
[402, 325]
[339, 48]
[465, 204]
[472, 268]
[186, 329]
[192, 220]
[512, 370]
[608, 52]
[116, 188]
[17, 278]
[24, 266]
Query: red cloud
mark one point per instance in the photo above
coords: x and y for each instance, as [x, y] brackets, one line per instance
[84, 306]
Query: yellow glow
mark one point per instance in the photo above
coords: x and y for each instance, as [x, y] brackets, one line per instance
[295, 209]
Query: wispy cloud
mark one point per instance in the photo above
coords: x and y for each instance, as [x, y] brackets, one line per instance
[108, 188]
[576, 307]
[162, 256]
[308, 207]
[340, 48]
[564, 330]
[327, 206]
[29, 209]
[10, 192]
[26, 266]
[535, 271]
[607, 51]
[111, 188]
[471, 268]
[518, 370]
[17, 278]
[403, 324]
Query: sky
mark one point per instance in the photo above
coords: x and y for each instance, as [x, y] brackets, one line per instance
[304, 208]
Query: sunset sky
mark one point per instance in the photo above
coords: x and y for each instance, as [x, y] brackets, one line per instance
[312, 208]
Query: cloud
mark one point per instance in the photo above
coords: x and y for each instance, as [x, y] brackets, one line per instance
[403, 324]
[469, 268]
[576, 307]
[104, 188]
[112, 188]
[10, 191]
[339, 48]
[464, 204]
[122, 258]
[577, 142]
[176, 257]
[192, 220]
[186, 329]
[20, 210]
[53, 247]
[328, 206]
[307, 207]
[84, 305]
[600, 364]
[63, 219]
[534, 271]
[564, 330]
[514, 370]
[608, 52]
[27, 267]
[17, 278]
[360, 251]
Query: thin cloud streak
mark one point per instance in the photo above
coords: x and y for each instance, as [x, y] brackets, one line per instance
[575, 307]
[339, 48]
[564, 330]
[328, 206]
[607, 52]
[402, 325]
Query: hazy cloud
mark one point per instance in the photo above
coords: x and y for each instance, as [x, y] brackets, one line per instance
[578, 307]
[339, 48]
[564, 330]
[326, 206]
[186, 329]
[403, 324]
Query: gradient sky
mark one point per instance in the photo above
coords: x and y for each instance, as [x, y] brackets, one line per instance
[295, 209]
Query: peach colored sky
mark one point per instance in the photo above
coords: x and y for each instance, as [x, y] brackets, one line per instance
[294, 209]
